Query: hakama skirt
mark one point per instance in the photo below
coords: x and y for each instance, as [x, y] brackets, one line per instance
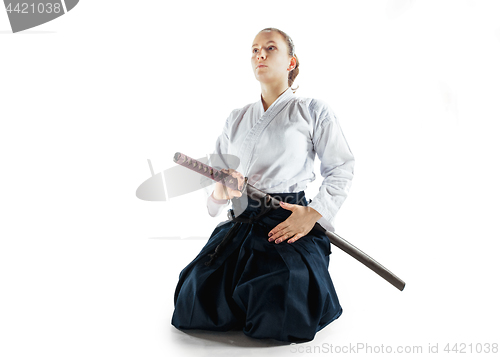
[280, 291]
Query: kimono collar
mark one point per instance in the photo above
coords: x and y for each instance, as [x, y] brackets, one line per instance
[278, 103]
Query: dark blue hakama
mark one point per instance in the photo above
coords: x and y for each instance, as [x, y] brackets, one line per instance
[279, 291]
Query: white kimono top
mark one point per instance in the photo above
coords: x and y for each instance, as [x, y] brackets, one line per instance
[277, 148]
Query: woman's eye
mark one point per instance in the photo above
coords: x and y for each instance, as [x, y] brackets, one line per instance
[255, 50]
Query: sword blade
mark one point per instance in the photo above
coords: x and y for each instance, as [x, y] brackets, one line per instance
[364, 258]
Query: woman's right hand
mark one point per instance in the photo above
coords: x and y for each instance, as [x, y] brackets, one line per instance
[219, 193]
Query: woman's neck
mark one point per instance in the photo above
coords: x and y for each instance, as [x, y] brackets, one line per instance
[271, 92]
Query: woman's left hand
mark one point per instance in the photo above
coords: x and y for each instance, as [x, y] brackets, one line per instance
[299, 224]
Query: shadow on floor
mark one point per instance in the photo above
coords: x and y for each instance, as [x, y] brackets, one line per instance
[229, 338]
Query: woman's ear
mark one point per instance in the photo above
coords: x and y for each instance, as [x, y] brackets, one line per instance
[293, 63]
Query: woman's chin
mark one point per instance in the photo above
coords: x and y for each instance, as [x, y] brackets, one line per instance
[265, 79]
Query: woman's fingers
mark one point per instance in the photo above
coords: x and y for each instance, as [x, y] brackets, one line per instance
[231, 192]
[236, 175]
[241, 180]
[280, 232]
[290, 237]
[284, 237]
[293, 228]
[296, 238]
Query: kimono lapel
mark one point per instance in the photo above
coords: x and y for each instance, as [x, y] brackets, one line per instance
[252, 138]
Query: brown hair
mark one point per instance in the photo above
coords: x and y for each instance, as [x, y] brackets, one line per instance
[291, 52]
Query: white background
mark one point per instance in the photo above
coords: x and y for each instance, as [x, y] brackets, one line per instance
[88, 269]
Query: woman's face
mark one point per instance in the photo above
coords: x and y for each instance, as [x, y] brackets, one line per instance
[270, 60]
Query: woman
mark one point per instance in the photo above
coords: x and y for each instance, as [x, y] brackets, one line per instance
[266, 272]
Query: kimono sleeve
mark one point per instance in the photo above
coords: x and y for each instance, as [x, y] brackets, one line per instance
[337, 163]
[217, 161]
